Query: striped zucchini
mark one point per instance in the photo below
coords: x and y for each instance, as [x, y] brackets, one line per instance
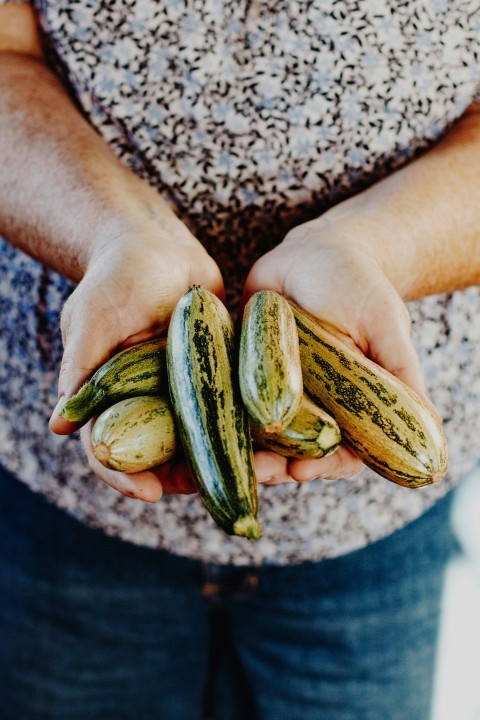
[134, 434]
[382, 419]
[269, 361]
[312, 433]
[211, 420]
[138, 370]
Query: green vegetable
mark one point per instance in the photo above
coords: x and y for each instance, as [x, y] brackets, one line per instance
[312, 433]
[211, 420]
[138, 370]
[269, 361]
[391, 429]
[134, 434]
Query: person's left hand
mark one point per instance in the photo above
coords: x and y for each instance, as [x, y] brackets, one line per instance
[333, 267]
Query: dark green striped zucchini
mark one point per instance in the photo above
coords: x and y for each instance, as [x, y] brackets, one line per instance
[138, 370]
[134, 434]
[269, 361]
[382, 419]
[211, 420]
[312, 433]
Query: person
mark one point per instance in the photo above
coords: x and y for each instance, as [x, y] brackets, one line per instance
[330, 151]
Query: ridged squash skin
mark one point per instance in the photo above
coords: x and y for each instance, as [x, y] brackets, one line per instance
[210, 417]
[391, 429]
[269, 361]
[138, 370]
[135, 434]
[312, 433]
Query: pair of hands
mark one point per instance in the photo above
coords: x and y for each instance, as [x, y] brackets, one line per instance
[132, 284]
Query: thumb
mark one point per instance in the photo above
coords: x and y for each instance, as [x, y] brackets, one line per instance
[390, 345]
[399, 357]
[264, 275]
[87, 344]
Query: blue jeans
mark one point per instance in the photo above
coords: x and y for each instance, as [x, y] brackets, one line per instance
[94, 628]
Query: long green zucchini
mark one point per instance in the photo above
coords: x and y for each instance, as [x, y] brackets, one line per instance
[138, 370]
[135, 434]
[382, 419]
[312, 433]
[269, 361]
[211, 420]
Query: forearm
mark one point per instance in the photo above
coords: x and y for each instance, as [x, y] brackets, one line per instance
[424, 220]
[63, 192]
[415, 233]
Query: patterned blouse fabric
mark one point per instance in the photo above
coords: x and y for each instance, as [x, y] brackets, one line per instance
[250, 118]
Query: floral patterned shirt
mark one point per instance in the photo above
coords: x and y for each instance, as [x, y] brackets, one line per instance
[249, 117]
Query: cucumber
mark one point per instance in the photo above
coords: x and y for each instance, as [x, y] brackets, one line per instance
[138, 370]
[135, 434]
[210, 417]
[269, 361]
[383, 420]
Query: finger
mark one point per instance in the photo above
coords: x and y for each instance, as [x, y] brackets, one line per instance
[81, 358]
[264, 275]
[341, 464]
[269, 467]
[279, 480]
[209, 278]
[58, 424]
[89, 334]
[175, 477]
[140, 486]
[396, 353]
[399, 357]
[389, 342]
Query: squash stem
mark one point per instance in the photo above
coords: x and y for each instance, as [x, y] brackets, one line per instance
[82, 405]
[247, 526]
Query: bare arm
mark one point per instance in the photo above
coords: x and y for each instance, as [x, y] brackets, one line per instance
[415, 233]
[424, 220]
[63, 192]
[67, 200]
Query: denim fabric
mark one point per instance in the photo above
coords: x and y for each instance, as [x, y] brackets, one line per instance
[92, 627]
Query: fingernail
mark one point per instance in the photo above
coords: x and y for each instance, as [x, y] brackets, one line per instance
[279, 480]
[149, 493]
[58, 407]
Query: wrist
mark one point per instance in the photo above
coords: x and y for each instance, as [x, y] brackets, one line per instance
[64, 194]
[364, 224]
[133, 214]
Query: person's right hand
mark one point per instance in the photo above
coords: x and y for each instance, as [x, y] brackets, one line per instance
[127, 294]
[67, 200]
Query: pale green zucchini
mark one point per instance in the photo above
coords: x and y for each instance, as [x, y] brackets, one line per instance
[135, 434]
[383, 420]
[211, 420]
[312, 433]
[138, 370]
[269, 361]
